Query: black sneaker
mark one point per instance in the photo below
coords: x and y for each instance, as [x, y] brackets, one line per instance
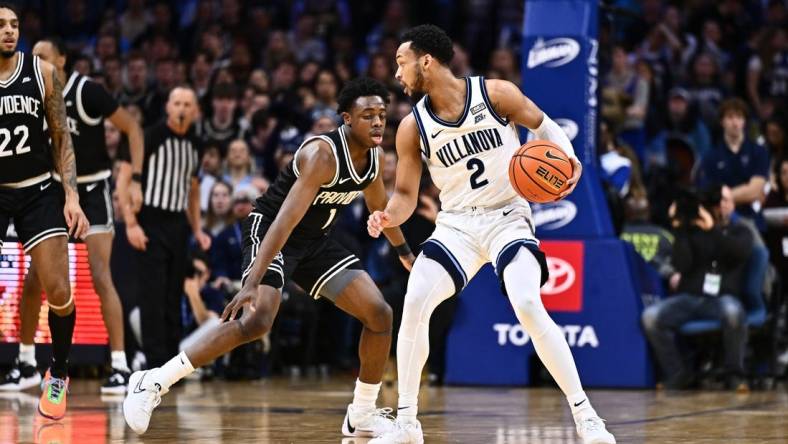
[116, 383]
[22, 376]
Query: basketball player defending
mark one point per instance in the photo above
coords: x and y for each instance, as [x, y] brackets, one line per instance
[87, 105]
[287, 236]
[30, 95]
[466, 130]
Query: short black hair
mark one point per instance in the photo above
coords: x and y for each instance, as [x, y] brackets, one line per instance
[360, 87]
[57, 43]
[429, 39]
[12, 7]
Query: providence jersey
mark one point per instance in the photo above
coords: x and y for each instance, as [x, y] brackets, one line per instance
[87, 105]
[24, 144]
[345, 187]
[468, 159]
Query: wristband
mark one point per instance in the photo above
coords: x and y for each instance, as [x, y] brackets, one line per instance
[402, 250]
[136, 177]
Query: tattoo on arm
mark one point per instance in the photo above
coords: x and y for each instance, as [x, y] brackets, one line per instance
[62, 147]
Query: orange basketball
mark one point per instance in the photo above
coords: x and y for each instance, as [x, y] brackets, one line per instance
[539, 171]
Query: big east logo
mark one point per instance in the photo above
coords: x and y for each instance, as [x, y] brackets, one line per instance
[563, 291]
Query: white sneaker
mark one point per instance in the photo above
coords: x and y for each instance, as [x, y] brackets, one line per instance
[143, 396]
[367, 423]
[592, 431]
[403, 433]
[22, 376]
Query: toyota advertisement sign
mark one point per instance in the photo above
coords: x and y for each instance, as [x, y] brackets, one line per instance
[594, 310]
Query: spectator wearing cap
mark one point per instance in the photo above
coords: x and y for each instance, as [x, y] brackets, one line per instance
[222, 125]
[240, 168]
[737, 162]
[228, 245]
[683, 125]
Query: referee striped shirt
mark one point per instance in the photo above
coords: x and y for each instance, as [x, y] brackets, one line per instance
[171, 161]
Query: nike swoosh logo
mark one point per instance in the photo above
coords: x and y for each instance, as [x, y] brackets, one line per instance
[436, 133]
[45, 186]
[350, 428]
[341, 181]
[138, 388]
[579, 403]
[507, 212]
[549, 154]
[91, 187]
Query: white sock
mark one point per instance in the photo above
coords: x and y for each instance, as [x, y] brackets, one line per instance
[173, 371]
[428, 286]
[119, 360]
[365, 395]
[580, 405]
[522, 277]
[27, 353]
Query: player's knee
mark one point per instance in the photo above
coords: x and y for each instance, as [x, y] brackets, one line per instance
[102, 279]
[379, 317]
[256, 325]
[527, 305]
[58, 293]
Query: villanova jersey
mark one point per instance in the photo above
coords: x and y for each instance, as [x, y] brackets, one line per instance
[343, 189]
[87, 104]
[24, 145]
[468, 159]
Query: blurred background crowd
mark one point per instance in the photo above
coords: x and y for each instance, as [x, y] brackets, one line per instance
[693, 94]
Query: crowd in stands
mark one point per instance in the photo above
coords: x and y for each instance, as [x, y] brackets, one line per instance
[692, 144]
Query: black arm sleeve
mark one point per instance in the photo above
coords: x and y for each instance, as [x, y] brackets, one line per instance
[97, 101]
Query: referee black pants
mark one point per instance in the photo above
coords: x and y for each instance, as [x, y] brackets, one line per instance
[161, 268]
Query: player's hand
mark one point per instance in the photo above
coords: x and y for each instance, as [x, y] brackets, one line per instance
[203, 240]
[242, 298]
[135, 196]
[377, 222]
[407, 261]
[577, 171]
[75, 219]
[136, 237]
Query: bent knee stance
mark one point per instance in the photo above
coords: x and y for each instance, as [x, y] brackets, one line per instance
[379, 318]
[254, 326]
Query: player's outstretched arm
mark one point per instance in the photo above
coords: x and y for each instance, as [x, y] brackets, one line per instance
[62, 149]
[406, 192]
[126, 124]
[509, 102]
[317, 167]
[376, 199]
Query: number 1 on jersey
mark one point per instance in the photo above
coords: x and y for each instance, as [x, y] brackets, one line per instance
[331, 214]
[477, 166]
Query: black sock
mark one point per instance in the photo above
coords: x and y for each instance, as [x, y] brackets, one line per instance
[61, 328]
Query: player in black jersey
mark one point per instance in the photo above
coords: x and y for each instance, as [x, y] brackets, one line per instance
[288, 235]
[87, 105]
[30, 96]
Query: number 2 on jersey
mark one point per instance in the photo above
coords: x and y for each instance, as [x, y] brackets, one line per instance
[477, 166]
[5, 139]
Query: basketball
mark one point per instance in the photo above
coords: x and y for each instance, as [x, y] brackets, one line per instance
[539, 171]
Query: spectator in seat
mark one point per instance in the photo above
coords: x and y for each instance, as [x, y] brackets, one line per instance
[652, 242]
[737, 162]
[709, 262]
[227, 247]
[220, 214]
[776, 214]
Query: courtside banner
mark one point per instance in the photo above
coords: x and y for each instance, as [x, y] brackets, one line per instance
[591, 295]
[560, 74]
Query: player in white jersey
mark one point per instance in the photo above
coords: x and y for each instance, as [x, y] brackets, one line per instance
[465, 128]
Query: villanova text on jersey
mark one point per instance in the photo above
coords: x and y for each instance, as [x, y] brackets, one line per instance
[469, 144]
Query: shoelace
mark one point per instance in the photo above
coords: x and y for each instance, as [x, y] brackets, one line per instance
[58, 385]
[593, 424]
[384, 413]
[153, 401]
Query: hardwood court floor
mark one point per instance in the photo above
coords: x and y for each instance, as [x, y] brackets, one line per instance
[285, 411]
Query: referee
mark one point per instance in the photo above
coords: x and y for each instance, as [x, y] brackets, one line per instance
[160, 232]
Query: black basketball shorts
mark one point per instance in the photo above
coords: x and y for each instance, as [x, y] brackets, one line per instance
[37, 212]
[310, 263]
[95, 198]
